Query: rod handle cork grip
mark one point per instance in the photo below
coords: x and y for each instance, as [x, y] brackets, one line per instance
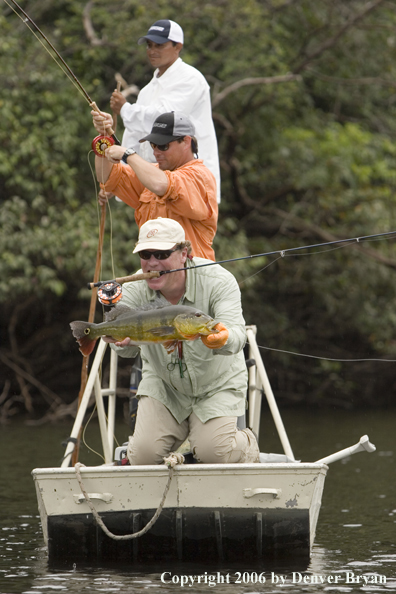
[127, 279]
[109, 130]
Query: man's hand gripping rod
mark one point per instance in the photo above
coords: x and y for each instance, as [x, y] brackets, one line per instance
[101, 142]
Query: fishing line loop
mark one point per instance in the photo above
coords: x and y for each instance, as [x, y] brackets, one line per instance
[326, 358]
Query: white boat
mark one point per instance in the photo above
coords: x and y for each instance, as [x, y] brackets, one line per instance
[211, 512]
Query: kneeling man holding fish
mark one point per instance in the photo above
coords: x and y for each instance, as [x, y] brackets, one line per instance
[197, 391]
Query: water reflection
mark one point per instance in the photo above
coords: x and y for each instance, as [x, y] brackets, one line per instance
[355, 537]
[331, 569]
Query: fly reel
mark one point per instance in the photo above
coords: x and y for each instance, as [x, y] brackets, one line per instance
[101, 143]
[110, 293]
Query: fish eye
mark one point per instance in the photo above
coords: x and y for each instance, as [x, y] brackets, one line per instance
[198, 315]
[86, 331]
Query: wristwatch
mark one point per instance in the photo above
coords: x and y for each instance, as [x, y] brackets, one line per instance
[128, 152]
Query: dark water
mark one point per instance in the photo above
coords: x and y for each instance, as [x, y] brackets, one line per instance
[355, 548]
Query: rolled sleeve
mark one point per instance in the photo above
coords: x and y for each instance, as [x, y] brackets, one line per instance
[124, 182]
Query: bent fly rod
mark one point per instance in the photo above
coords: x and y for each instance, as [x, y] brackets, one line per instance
[110, 291]
[99, 145]
[101, 142]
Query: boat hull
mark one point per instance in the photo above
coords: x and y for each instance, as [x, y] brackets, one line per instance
[231, 513]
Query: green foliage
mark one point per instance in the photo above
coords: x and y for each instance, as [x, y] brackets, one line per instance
[303, 162]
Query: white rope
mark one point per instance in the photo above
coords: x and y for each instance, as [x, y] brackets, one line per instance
[171, 461]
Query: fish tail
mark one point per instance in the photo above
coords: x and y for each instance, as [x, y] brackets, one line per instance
[81, 332]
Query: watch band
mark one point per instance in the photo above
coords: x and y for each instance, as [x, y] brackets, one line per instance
[128, 152]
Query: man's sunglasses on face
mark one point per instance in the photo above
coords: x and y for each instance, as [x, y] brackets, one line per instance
[163, 147]
[158, 254]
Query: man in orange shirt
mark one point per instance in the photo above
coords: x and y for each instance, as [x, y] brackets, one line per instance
[179, 186]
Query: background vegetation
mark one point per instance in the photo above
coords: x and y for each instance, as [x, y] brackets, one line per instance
[304, 102]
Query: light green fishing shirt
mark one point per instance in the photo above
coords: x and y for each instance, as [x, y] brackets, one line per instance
[214, 382]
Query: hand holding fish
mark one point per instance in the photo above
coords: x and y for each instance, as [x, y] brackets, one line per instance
[153, 324]
[216, 341]
[120, 343]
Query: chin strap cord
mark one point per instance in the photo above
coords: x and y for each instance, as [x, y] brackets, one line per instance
[171, 462]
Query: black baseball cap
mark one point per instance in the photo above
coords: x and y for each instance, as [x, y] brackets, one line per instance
[163, 31]
[170, 126]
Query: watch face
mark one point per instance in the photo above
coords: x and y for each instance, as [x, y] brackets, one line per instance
[127, 153]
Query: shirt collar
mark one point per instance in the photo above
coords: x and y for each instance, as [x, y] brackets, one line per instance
[167, 71]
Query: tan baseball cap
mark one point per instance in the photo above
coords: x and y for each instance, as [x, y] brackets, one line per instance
[159, 234]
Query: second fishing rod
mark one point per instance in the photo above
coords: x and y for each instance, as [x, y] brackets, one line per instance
[110, 291]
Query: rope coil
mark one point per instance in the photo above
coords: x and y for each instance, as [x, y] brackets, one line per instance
[171, 462]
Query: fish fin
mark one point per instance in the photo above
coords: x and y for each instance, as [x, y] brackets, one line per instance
[190, 336]
[170, 345]
[121, 309]
[158, 303]
[117, 311]
[85, 342]
[162, 330]
[86, 345]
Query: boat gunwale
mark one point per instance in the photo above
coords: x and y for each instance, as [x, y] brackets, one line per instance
[257, 468]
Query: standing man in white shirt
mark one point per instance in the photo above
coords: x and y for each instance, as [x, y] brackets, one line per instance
[175, 86]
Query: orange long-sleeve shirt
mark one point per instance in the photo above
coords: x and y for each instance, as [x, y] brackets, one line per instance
[190, 200]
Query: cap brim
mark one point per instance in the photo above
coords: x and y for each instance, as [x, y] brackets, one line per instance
[152, 245]
[154, 38]
[159, 138]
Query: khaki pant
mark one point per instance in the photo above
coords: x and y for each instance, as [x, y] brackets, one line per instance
[218, 441]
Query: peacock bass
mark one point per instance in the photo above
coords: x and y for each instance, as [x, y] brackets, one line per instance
[158, 324]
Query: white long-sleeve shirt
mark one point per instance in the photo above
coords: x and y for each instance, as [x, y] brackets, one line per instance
[181, 88]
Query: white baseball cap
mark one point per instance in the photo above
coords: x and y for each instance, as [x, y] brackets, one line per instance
[159, 234]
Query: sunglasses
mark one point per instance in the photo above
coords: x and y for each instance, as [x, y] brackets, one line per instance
[163, 147]
[158, 254]
[160, 147]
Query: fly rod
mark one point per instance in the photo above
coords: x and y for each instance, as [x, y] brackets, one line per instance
[101, 142]
[282, 253]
